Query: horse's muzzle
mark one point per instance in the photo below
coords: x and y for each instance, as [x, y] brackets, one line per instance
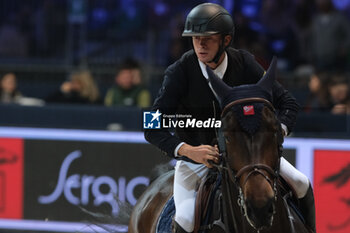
[260, 217]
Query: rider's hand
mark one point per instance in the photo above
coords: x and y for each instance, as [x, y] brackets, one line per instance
[200, 154]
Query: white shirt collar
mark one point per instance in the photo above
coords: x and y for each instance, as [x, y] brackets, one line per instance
[219, 71]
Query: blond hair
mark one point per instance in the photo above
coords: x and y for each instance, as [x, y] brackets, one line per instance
[89, 88]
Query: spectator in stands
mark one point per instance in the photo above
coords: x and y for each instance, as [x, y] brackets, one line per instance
[80, 89]
[8, 89]
[318, 98]
[128, 89]
[339, 94]
[330, 37]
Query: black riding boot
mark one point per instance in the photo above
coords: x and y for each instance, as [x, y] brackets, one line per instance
[177, 228]
[307, 209]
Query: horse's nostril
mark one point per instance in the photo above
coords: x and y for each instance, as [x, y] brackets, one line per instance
[260, 215]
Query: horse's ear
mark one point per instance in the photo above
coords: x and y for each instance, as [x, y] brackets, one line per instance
[266, 82]
[220, 88]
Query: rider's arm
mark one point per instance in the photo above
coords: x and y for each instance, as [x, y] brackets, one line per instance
[283, 101]
[200, 154]
[286, 105]
[173, 89]
[176, 152]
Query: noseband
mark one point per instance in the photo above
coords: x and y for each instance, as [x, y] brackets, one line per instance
[251, 168]
[257, 168]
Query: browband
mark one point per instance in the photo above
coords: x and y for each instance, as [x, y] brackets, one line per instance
[245, 100]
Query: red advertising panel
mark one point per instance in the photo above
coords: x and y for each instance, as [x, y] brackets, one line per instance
[11, 178]
[332, 190]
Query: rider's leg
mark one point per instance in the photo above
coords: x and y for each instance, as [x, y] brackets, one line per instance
[178, 229]
[187, 179]
[303, 189]
[307, 208]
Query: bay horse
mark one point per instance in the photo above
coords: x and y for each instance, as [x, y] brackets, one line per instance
[250, 198]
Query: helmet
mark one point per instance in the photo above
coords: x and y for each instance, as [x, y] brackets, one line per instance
[207, 19]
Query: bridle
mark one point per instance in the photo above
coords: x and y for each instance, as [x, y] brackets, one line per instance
[246, 100]
[251, 168]
[257, 168]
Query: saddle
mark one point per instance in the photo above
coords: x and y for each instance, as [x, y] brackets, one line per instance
[206, 195]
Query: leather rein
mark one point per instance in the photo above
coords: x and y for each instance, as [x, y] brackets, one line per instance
[251, 168]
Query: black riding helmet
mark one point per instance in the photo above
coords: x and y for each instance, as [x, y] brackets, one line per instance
[208, 19]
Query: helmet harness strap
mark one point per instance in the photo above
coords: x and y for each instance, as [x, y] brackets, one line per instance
[221, 50]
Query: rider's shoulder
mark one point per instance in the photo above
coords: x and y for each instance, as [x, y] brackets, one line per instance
[239, 54]
[186, 60]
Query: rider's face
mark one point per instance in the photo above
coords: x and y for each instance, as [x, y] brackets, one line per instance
[206, 47]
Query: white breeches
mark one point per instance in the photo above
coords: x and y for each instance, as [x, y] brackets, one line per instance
[188, 177]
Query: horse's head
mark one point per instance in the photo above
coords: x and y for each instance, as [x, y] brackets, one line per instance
[253, 136]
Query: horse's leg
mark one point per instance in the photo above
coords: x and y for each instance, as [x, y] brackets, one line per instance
[146, 212]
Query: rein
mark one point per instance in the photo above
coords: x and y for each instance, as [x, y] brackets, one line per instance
[251, 168]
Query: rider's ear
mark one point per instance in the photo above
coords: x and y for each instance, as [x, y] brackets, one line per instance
[227, 40]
